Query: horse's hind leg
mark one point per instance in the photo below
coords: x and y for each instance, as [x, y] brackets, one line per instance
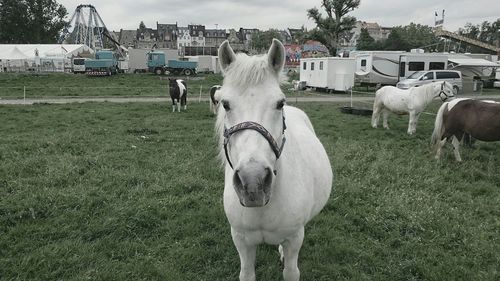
[375, 114]
[456, 145]
[184, 101]
[386, 116]
[247, 256]
[291, 248]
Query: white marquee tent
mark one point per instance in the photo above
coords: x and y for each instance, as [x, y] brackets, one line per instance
[44, 57]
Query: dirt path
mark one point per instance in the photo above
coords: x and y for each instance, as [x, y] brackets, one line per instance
[65, 100]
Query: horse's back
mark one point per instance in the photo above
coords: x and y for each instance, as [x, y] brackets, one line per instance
[477, 118]
[394, 99]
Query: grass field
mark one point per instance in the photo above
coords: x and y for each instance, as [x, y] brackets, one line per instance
[133, 192]
[12, 85]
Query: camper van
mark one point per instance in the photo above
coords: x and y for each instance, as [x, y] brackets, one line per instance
[329, 73]
[420, 78]
[389, 67]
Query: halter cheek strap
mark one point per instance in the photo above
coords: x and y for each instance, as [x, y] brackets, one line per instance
[445, 94]
[249, 125]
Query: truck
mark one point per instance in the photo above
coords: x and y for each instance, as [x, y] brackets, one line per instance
[158, 64]
[79, 65]
[104, 64]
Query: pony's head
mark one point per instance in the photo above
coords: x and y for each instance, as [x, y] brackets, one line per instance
[250, 122]
[444, 90]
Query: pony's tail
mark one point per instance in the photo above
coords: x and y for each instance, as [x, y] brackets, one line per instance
[437, 134]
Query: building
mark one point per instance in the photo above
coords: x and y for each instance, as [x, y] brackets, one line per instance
[146, 38]
[214, 37]
[245, 35]
[127, 38]
[197, 33]
[350, 40]
[167, 35]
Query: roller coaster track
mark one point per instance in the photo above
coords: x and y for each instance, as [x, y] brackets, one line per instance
[451, 35]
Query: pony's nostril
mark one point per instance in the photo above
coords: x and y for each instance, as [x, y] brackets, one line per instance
[268, 179]
[237, 180]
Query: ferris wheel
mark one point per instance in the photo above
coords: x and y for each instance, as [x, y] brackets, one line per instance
[85, 27]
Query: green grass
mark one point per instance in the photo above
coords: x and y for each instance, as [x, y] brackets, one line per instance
[78, 85]
[133, 192]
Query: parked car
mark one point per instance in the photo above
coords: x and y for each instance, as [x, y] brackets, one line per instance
[420, 78]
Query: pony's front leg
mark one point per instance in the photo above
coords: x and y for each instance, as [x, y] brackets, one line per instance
[173, 105]
[179, 106]
[439, 145]
[247, 256]
[456, 145]
[291, 248]
[412, 124]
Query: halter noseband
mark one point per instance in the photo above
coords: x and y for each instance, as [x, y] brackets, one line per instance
[446, 97]
[249, 125]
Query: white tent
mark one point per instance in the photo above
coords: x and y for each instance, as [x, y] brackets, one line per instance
[16, 54]
[44, 57]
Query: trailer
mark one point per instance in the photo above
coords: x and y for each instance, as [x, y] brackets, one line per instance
[138, 58]
[389, 67]
[329, 73]
[206, 64]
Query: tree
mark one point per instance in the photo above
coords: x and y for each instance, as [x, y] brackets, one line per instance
[409, 37]
[330, 28]
[300, 36]
[365, 41]
[31, 21]
[395, 41]
[262, 40]
[142, 25]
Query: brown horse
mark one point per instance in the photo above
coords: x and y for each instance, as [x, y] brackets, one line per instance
[459, 117]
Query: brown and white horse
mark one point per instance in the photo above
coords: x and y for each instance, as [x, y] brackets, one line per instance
[178, 93]
[461, 117]
[214, 98]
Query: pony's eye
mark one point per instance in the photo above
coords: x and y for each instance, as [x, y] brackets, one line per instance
[280, 104]
[225, 104]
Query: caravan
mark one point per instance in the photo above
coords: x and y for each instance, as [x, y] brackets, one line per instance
[389, 67]
[329, 73]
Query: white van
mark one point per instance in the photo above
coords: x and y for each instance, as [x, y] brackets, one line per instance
[79, 65]
[420, 78]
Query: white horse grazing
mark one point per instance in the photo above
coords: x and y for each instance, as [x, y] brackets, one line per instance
[272, 188]
[412, 101]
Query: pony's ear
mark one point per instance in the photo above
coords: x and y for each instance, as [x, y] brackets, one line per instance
[226, 55]
[276, 56]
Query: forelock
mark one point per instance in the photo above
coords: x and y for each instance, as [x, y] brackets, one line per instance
[248, 70]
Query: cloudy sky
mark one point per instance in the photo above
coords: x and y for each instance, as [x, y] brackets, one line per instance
[264, 14]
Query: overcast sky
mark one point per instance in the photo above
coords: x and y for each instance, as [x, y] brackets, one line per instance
[264, 14]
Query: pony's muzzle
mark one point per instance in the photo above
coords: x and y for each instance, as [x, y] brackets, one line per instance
[252, 183]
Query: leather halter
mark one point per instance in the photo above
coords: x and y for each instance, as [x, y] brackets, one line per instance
[249, 125]
[446, 96]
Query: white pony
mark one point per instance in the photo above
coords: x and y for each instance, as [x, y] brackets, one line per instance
[412, 101]
[272, 188]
